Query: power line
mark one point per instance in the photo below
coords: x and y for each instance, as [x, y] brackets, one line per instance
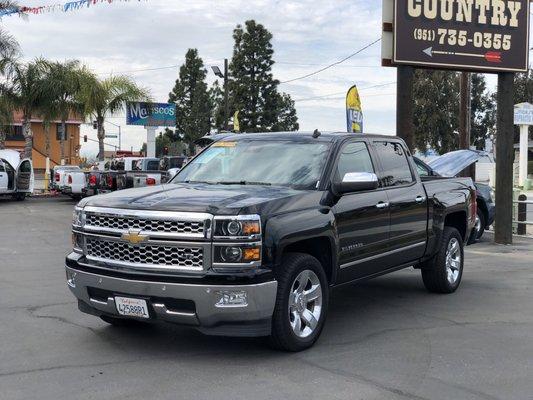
[333, 64]
[337, 93]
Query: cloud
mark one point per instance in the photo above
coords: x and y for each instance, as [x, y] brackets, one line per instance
[126, 36]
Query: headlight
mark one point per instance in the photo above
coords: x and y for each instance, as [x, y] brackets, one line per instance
[238, 254]
[77, 217]
[240, 226]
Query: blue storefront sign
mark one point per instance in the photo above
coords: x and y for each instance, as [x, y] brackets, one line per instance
[150, 114]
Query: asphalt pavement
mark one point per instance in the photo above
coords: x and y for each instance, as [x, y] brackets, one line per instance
[384, 339]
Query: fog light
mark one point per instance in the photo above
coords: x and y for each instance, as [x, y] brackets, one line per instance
[231, 298]
[71, 279]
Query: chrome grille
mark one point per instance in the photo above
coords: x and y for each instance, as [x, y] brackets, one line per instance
[146, 254]
[148, 225]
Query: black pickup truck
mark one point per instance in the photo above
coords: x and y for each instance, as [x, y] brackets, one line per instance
[251, 235]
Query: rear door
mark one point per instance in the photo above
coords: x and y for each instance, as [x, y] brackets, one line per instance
[362, 221]
[406, 200]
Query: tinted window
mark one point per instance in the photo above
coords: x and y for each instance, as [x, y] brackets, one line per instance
[422, 170]
[152, 165]
[354, 157]
[394, 163]
[2, 169]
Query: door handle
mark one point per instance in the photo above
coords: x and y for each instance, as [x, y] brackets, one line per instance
[381, 205]
[420, 199]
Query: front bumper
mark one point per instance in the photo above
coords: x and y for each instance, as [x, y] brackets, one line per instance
[252, 319]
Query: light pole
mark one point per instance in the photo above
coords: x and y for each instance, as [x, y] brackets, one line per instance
[218, 72]
[119, 133]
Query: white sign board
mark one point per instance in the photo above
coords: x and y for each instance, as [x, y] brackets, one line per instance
[523, 114]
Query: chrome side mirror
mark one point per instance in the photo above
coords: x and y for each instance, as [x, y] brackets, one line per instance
[356, 182]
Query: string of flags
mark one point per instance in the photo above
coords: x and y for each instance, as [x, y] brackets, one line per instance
[58, 7]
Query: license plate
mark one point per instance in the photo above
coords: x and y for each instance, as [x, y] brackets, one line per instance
[132, 307]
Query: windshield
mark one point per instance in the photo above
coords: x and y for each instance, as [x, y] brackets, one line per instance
[251, 162]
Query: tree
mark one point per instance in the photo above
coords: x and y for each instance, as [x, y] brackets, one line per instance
[436, 110]
[23, 90]
[482, 114]
[64, 82]
[253, 89]
[192, 98]
[103, 97]
[9, 47]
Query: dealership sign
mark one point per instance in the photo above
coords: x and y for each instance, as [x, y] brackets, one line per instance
[479, 35]
[150, 114]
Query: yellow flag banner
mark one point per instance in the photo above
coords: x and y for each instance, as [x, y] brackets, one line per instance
[354, 111]
[236, 126]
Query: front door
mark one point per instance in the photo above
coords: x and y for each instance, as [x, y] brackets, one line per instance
[407, 203]
[362, 221]
[25, 177]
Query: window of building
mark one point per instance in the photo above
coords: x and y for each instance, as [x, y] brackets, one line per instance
[396, 170]
[14, 132]
[59, 132]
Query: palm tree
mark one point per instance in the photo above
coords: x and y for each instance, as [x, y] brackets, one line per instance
[64, 85]
[102, 97]
[23, 90]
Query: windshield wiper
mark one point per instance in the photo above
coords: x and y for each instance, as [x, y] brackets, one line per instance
[208, 182]
[244, 183]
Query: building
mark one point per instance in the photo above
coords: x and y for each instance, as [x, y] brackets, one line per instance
[15, 141]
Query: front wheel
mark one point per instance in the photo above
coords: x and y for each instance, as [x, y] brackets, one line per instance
[479, 227]
[19, 196]
[301, 303]
[443, 273]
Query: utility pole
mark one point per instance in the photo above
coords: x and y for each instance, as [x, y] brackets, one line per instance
[404, 105]
[225, 76]
[226, 95]
[503, 226]
[465, 111]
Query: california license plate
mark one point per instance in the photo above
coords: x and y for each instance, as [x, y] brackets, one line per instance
[132, 307]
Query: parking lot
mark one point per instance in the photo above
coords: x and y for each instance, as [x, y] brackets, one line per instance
[384, 339]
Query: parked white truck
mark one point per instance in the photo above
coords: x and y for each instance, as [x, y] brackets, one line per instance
[16, 175]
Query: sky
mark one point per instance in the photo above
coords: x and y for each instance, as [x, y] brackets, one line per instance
[125, 37]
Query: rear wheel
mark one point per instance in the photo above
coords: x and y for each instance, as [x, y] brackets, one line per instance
[443, 273]
[301, 303]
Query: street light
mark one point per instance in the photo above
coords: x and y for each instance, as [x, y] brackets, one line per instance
[218, 72]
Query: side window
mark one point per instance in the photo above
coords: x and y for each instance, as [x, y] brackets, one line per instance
[152, 165]
[354, 157]
[396, 170]
[421, 170]
[2, 169]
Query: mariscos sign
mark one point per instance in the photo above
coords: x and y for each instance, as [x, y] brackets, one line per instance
[483, 35]
[150, 114]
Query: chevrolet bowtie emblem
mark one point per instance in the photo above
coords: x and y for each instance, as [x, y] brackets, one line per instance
[134, 237]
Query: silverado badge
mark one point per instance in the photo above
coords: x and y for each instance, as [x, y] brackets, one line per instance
[134, 236]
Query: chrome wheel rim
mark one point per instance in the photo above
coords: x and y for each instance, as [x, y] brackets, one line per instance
[477, 226]
[453, 260]
[305, 303]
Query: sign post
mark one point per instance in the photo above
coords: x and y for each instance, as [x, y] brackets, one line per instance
[151, 116]
[462, 35]
[523, 116]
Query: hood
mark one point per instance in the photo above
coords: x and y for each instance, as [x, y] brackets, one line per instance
[202, 197]
[450, 164]
[11, 156]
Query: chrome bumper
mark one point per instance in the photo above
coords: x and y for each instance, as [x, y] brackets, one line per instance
[208, 316]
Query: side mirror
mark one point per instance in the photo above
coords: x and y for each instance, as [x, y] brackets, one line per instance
[356, 182]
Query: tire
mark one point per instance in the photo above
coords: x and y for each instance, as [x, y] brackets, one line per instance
[304, 308]
[440, 276]
[479, 228]
[19, 196]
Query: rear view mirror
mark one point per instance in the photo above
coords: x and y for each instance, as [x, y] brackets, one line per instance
[356, 182]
